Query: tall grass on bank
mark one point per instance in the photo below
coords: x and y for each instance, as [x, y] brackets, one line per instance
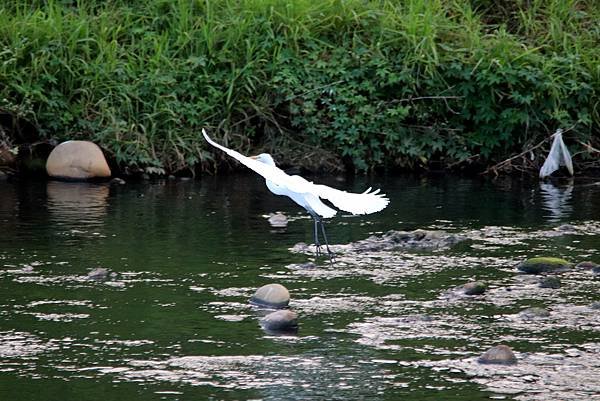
[372, 83]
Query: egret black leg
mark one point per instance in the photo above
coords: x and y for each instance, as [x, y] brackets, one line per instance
[329, 253]
[317, 243]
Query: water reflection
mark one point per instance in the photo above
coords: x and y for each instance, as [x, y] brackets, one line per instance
[77, 204]
[557, 201]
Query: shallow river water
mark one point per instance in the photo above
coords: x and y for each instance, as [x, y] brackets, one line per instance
[173, 321]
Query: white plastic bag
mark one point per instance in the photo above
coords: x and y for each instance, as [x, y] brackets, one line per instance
[559, 156]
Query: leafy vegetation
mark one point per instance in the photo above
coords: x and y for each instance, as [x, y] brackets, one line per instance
[365, 84]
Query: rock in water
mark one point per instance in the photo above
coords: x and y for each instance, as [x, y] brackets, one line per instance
[394, 240]
[543, 265]
[117, 181]
[99, 273]
[302, 266]
[282, 321]
[534, 313]
[500, 354]
[278, 220]
[273, 296]
[474, 288]
[586, 265]
[77, 160]
[550, 282]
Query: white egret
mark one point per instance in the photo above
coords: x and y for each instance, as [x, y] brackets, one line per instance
[307, 194]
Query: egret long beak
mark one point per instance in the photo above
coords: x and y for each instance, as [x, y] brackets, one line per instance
[253, 157]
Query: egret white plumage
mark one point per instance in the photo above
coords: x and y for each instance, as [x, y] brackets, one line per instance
[307, 194]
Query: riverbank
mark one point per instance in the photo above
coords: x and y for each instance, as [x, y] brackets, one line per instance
[336, 85]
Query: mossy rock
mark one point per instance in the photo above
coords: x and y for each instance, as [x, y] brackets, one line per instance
[543, 265]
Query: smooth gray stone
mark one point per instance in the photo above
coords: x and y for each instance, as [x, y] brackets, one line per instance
[98, 273]
[550, 282]
[499, 354]
[534, 313]
[474, 288]
[281, 321]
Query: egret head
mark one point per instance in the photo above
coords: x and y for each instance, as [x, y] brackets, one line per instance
[264, 158]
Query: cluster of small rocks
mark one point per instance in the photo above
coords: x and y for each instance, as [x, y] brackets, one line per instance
[393, 240]
[548, 267]
[545, 267]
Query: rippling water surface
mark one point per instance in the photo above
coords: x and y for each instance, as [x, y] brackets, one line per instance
[172, 321]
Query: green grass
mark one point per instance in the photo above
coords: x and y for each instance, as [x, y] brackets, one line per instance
[358, 83]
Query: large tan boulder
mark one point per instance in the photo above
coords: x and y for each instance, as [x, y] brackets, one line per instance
[273, 296]
[78, 160]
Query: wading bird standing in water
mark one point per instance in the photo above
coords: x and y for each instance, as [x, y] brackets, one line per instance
[307, 194]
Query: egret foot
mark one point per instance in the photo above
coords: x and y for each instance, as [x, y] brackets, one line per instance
[318, 250]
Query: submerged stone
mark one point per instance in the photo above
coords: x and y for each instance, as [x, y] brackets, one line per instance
[543, 265]
[98, 273]
[117, 181]
[499, 354]
[474, 288]
[302, 266]
[567, 227]
[271, 296]
[550, 282]
[282, 321]
[586, 265]
[77, 160]
[534, 313]
[278, 220]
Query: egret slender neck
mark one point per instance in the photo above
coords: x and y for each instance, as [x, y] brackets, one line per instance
[266, 159]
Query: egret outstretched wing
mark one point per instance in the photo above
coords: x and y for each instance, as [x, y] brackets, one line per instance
[364, 203]
[271, 173]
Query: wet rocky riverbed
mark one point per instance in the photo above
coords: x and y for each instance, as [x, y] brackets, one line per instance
[140, 291]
